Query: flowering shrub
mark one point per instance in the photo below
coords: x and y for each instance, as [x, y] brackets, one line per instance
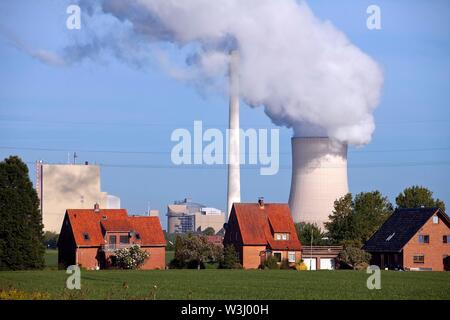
[130, 258]
[301, 266]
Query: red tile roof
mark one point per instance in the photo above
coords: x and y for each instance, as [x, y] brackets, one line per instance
[258, 224]
[93, 224]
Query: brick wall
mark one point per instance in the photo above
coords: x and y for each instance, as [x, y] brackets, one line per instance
[87, 258]
[433, 252]
[157, 259]
[251, 258]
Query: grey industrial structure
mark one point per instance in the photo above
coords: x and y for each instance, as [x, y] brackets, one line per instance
[186, 216]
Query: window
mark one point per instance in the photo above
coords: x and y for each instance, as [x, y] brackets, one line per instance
[419, 258]
[390, 237]
[281, 236]
[291, 256]
[446, 239]
[138, 236]
[112, 239]
[86, 236]
[424, 239]
[435, 219]
[277, 255]
[124, 240]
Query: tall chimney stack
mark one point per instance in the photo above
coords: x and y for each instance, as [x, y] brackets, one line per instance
[234, 171]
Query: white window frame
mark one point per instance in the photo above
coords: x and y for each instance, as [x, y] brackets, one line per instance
[277, 236]
[435, 220]
[290, 253]
[284, 236]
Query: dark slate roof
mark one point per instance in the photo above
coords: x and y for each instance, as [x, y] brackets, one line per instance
[400, 227]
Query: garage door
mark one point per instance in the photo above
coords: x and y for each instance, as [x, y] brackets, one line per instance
[311, 263]
[326, 264]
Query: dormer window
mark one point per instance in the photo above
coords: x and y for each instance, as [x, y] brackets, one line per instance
[281, 236]
[86, 236]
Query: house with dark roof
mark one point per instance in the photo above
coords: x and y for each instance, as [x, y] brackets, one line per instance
[412, 239]
[89, 237]
[259, 230]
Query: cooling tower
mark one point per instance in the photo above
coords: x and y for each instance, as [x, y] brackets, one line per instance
[234, 174]
[319, 177]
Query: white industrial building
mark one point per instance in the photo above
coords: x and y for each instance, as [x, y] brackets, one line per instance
[69, 186]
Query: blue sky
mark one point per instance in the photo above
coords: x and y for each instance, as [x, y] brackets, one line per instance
[107, 105]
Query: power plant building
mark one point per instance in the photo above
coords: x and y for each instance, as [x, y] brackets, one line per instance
[186, 216]
[69, 186]
[319, 178]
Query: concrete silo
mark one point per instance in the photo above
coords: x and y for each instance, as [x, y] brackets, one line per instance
[319, 177]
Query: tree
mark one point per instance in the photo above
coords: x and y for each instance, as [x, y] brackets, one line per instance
[209, 231]
[354, 221]
[370, 211]
[306, 230]
[21, 234]
[416, 197]
[195, 250]
[354, 258]
[340, 225]
[50, 240]
[230, 259]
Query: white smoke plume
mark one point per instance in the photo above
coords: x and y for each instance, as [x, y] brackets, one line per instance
[303, 71]
[42, 55]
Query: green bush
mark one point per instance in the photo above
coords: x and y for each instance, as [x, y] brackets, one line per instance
[271, 263]
[230, 259]
[354, 258]
[285, 265]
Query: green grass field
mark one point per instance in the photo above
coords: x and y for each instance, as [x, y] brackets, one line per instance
[227, 284]
[230, 284]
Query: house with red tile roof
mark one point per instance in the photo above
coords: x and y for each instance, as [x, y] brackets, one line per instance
[259, 230]
[89, 237]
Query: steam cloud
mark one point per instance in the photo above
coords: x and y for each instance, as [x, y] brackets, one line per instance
[303, 71]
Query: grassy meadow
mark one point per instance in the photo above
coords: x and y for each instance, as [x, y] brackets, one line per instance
[223, 284]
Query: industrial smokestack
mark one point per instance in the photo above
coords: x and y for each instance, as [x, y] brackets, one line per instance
[319, 177]
[234, 171]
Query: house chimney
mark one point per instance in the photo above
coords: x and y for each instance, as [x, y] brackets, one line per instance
[96, 208]
[261, 202]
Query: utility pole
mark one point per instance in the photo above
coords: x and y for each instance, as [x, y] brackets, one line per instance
[310, 262]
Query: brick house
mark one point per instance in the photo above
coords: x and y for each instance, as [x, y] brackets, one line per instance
[259, 230]
[412, 239]
[89, 237]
